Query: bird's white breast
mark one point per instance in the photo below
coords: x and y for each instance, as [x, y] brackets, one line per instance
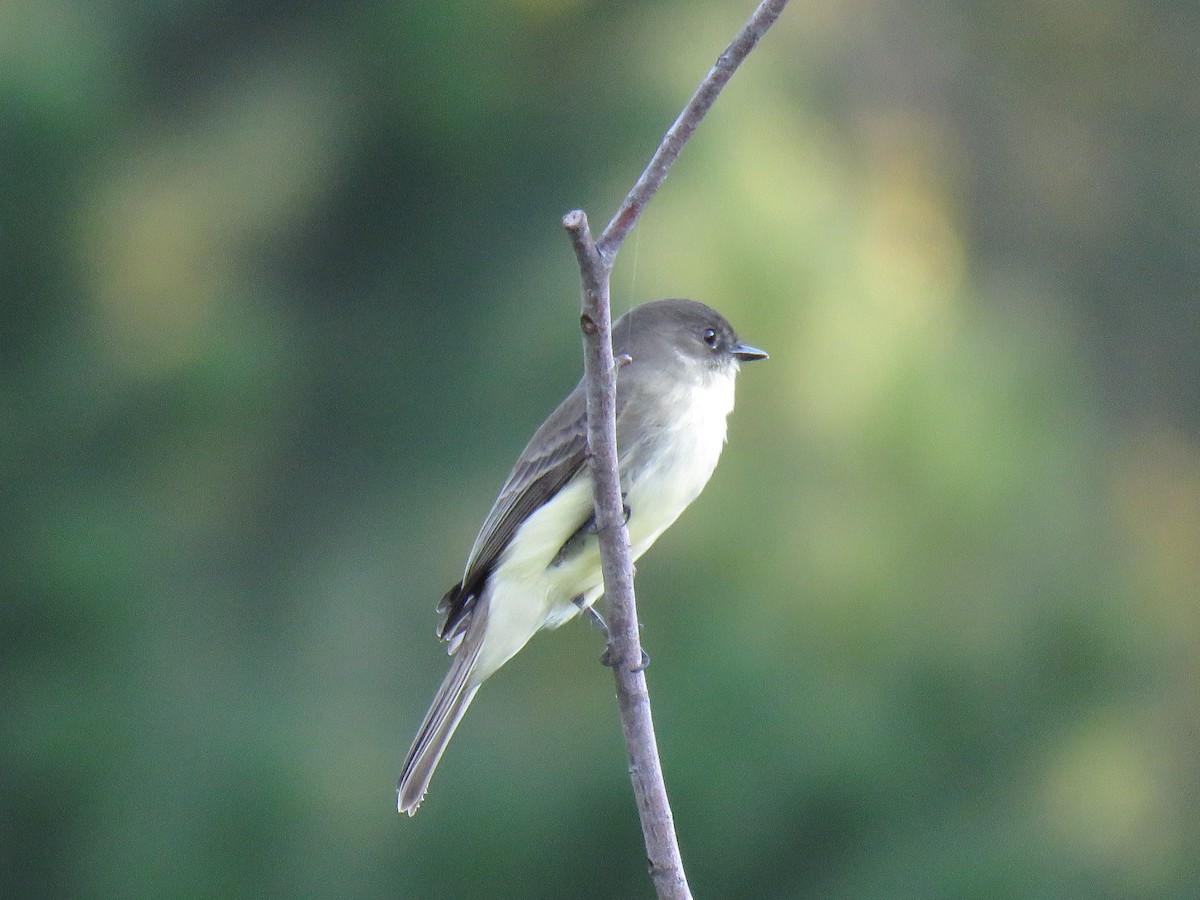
[679, 462]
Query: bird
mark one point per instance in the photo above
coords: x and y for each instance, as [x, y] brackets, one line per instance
[535, 563]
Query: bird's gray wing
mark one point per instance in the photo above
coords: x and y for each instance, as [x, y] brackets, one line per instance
[553, 456]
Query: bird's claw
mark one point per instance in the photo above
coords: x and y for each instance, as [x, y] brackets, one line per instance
[607, 660]
[591, 527]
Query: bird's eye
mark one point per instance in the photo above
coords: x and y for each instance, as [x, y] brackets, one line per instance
[710, 337]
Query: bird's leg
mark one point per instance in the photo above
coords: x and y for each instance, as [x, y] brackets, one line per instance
[590, 527]
[606, 656]
[595, 617]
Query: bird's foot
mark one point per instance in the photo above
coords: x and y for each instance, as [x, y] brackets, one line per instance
[607, 660]
[592, 528]
[606, 657]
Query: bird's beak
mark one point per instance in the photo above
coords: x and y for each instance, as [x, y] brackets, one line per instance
[746, 353]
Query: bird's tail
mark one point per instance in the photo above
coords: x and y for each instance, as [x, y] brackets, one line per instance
[452, 699]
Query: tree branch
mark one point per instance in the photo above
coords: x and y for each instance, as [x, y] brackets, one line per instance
[681, 129]
[600, 372]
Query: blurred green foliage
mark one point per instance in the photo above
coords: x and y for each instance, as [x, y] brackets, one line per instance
[284, 292]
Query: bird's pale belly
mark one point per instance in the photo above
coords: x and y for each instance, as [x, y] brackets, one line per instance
[531, 589]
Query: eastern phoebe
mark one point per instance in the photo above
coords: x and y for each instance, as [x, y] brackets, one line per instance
[536, 561]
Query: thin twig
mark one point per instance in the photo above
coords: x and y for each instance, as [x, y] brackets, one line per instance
[600, 371]
[683, 126]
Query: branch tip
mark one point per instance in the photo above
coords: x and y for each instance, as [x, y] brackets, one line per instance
[575, 220]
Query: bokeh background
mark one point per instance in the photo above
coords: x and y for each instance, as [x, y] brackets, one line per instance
[284, 291]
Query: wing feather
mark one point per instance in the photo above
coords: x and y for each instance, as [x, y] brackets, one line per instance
[553, 456]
